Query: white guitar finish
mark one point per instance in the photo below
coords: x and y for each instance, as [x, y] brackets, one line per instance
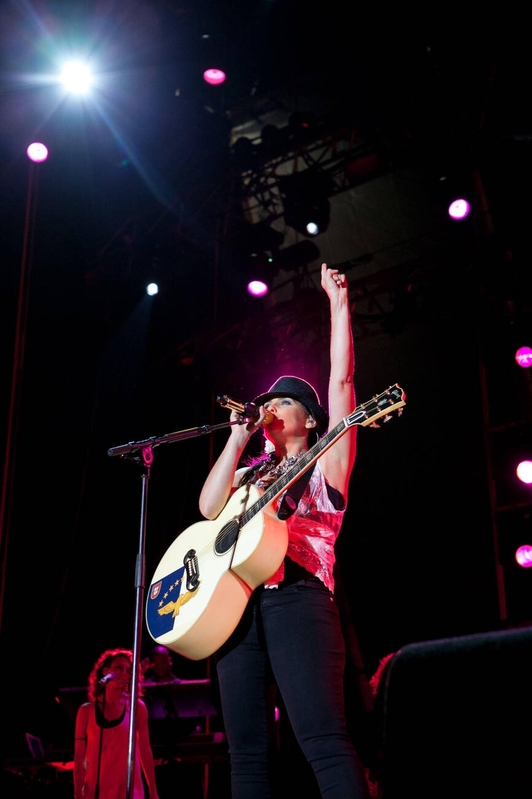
[207, 616]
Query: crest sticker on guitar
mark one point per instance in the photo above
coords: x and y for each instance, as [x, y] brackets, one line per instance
[165, 600]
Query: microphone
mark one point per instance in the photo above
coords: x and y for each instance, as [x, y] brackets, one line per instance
[107, 678]
[248, 409]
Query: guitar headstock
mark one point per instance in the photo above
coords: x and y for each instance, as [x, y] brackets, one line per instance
[382, 406]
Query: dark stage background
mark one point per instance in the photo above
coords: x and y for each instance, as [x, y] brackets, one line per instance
[145, 181]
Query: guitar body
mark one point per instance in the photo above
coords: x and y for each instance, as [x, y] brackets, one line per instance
[202, 585]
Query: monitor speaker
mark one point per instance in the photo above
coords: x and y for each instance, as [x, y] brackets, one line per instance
[456, 718]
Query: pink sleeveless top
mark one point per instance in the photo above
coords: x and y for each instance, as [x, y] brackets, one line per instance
[114, 760]
[312, 531]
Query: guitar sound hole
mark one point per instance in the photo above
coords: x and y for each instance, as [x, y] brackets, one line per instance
[226, 538]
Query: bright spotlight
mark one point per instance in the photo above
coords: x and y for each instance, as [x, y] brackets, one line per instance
[260, 271]
[257, 288]
[37, 152]
[523, 356]
[214, 76]
[152, 289]
[305, 199]
[523, 556]
[524, 471]
[459, 209]
[76, 77]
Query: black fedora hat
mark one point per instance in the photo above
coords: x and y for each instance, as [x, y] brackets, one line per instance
[298, 389]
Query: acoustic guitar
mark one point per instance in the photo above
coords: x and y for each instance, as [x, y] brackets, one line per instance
[203, 582]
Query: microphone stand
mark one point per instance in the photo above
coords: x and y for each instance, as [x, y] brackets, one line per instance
[141, 452]
[100, 741]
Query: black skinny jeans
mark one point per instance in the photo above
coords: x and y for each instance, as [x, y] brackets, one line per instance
[295, 630]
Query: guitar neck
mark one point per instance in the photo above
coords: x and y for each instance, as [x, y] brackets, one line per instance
[290, 476]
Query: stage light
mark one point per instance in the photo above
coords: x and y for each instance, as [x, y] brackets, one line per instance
[523, 556]
[309, 217]
[459, 209]
[305, 199]
[76, 77]
[523, 357]
[524, 471]
[214, 76]
[255, 248]
[37, 152]
[455, 189]
[152, 289]
[260, 274]
[257, 288]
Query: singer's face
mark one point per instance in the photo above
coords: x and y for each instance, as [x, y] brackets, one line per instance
[289, 416]
[121, 666]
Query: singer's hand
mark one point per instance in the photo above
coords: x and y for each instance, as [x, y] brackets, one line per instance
[224, 477]
[334, 283]
[243, 429]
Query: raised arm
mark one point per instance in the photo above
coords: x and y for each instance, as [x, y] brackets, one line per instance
[337, 463]
[221, 481]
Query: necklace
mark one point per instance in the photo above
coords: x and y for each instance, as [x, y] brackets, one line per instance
[268, 472]
[103, 721]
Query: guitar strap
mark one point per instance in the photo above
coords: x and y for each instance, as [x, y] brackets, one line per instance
[293, 495]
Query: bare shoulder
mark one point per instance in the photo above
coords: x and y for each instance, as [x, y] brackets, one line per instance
[238, 476]
[82, 718]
